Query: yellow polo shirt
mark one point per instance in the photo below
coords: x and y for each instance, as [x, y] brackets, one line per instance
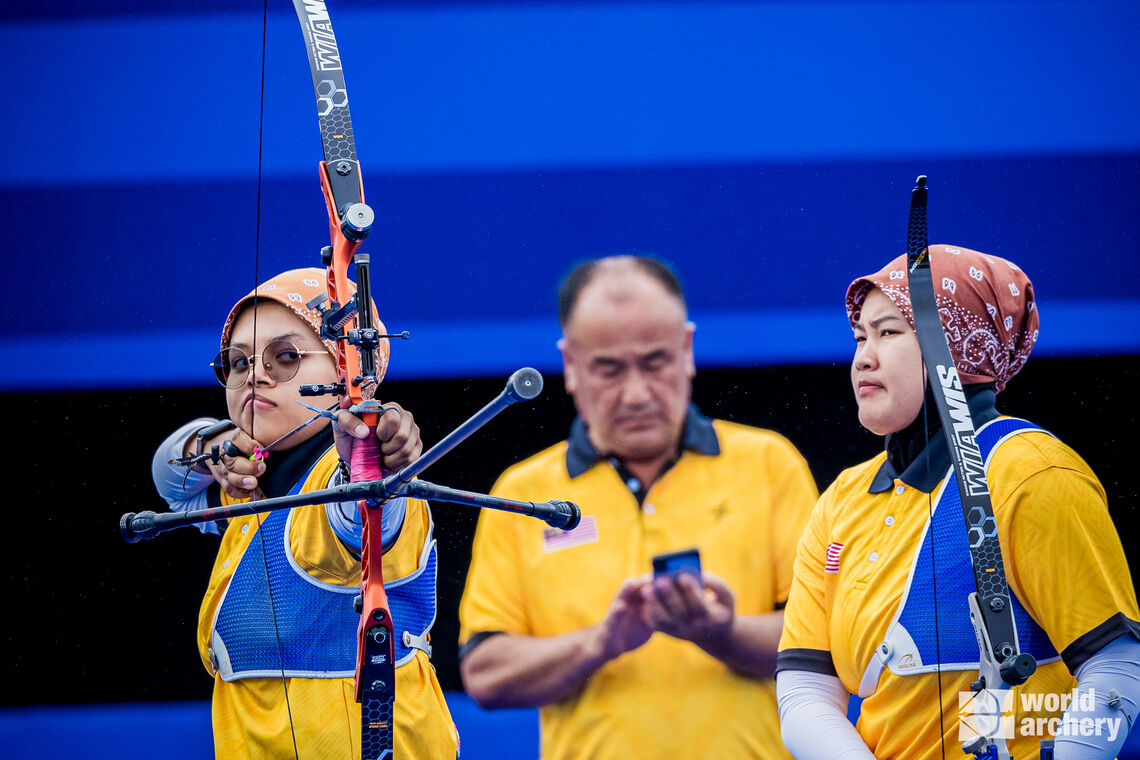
[251, 717]
[1063, 559]
[743, 507]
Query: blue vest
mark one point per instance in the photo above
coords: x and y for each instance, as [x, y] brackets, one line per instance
[314, 621]
[911, 646]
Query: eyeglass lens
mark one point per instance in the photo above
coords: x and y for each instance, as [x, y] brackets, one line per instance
[280, 358]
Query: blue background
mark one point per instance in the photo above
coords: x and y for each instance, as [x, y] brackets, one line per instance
[765, 148]
[149, 176]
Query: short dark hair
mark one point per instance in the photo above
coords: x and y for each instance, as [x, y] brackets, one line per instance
[583, 274]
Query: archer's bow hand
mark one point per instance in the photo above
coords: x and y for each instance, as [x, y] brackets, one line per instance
[396, 430]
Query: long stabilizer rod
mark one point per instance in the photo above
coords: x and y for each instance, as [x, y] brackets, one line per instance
[524, 385]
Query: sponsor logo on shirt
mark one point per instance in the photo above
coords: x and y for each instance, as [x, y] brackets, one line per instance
[586, 532]
[831, 564]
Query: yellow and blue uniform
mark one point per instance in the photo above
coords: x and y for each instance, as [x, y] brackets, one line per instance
[250, 714]
[1062, 557]
[739, 494]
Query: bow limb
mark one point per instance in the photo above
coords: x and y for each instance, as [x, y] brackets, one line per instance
[359, 369]
[1002, 665]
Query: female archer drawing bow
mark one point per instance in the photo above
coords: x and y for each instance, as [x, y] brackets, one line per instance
[346, 321]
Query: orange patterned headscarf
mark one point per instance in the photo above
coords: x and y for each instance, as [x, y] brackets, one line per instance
[294, 289]
[986, 304]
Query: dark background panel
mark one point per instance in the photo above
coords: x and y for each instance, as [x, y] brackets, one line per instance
[766, 148]
[116, 622]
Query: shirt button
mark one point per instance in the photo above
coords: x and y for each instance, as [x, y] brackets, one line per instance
[245, 529]
[900, 489]
[872, 556]
[649, 509]
[633, 484]
[226, 563]
[890, 520]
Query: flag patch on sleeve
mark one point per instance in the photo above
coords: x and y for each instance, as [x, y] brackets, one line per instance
[586, 532]
[831, 564]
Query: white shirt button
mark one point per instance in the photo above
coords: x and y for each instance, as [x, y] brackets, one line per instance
[649, 509]
[890, 520]
[900, 489]
[226, 563]
[245, 529]
[872, 556]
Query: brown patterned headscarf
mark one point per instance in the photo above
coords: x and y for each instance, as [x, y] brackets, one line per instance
[294, 289]
[986, 304]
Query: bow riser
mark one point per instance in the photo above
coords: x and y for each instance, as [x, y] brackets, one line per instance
[349, 321]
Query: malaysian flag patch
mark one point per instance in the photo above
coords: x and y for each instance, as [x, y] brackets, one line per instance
[586, 532]
[832, 563]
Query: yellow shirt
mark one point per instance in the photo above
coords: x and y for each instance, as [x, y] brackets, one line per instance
[251, 717]
[1063, 560]
[743, 508]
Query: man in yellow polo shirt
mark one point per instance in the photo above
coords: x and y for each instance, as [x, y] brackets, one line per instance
[621, 664]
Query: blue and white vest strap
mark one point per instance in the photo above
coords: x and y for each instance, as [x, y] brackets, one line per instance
[315, 621]
[912, 645]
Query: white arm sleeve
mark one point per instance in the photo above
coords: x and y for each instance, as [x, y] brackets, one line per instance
[1112, 678]
[813, 718]
[182, 491]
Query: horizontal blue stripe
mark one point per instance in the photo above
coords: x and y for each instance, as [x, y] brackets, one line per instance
[456, 248]
[480, 348]
[448, 88]
[182, 731]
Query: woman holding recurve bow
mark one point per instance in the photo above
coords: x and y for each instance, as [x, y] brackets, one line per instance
[282, 651]
[878, 605]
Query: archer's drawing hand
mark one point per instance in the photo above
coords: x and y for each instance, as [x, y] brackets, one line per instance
[236, 474]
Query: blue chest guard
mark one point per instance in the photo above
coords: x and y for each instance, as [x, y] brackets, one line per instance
[914, 644]
[314, 621]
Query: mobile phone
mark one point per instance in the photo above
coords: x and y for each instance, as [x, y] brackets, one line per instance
[673, 563]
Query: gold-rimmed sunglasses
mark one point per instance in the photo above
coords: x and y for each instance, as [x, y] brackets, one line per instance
[280, 358]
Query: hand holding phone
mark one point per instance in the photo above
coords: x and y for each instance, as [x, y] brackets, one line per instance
[673, 564]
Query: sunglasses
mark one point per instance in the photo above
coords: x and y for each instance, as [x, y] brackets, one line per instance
[280, 358]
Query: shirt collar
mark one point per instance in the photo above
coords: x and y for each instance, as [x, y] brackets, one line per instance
[928, 468]
[697, 434]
